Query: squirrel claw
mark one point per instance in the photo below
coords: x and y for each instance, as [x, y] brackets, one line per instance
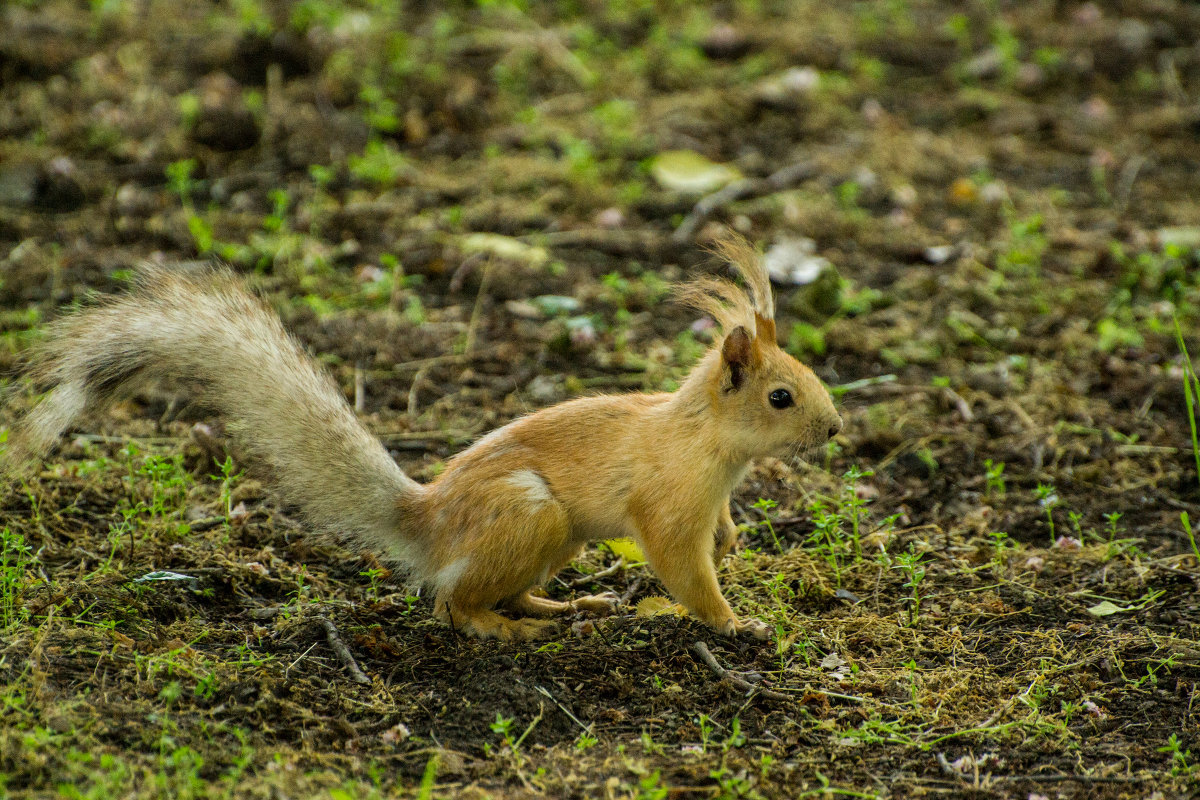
[750, 627]
[604, 603]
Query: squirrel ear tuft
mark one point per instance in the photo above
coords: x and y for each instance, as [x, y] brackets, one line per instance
[765, 327]
[735, 354]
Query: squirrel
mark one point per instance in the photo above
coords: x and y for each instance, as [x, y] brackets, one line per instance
[512, 509]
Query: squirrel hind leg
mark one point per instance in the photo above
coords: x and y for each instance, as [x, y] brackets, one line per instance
[485, 623]
[518, 537]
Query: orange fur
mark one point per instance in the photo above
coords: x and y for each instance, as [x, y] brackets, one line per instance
[512, 509]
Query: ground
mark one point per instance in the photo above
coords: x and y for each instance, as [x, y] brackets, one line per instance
[985, 586]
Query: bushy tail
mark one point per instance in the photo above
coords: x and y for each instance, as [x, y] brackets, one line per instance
[206, 329]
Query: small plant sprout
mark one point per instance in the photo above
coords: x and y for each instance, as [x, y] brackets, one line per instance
[909, 564]
[766, 507]
[735, 738]
[1191, 392]
[502, 727]
[911, 666]
[1112, 519]
[706, 727]
[853, 503]
[1179, 757]
[179, 179]
[228, 479]
[827, 537]
[277, 219]
[584, 741]
[1001, 546]
[649, 746]
[1048, 498]
[373, 575]
[1187, 528]
[994, 474]
[14, 555]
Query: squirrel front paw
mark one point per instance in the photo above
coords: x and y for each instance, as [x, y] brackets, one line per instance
[746, 627]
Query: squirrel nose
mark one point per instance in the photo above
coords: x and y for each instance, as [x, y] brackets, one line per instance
[835, 427]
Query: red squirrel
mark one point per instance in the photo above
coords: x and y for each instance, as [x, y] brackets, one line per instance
[512, 509]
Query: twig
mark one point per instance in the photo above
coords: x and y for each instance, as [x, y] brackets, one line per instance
[533, 724]
[433, 361]
[477, 309]
[343, 652]
[1076, 778]
[947, 767]
[701, 649]
[1129, 175]
[446, 437]
[269, 612]
[601, 575]
[586, 728]
[413, 389]
[463, 272]
[630, 591]
[360, 388]
[886, 384]
[299, 658]
[616, 242]
[862, 383]
[740, 190]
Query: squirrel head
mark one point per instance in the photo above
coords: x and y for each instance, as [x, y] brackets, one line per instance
[766, 402]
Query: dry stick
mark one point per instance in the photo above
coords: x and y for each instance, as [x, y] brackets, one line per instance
[701, 649]
[269, 612]
[1129, 175]
[343, 652]
[597, 576]
[630, 591]
[448, 436]
[1075, 778]
[888, 387]
[618, 242]
[413, 389]
[586, 728]
[452, 358]
[477, 310]
[464, 271]
[360, 388]
[739, 190]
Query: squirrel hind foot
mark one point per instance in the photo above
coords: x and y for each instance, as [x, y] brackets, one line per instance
[536, 606]
[601, 604]
[487, 624]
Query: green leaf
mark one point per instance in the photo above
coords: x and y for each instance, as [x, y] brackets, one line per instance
[627, 549]
[1107, 608]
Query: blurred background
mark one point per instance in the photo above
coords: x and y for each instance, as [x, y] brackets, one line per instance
[985, 214]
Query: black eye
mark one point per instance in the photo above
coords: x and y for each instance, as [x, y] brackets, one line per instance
[781, 398]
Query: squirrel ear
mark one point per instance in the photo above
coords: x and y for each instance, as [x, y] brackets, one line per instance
[735, 353]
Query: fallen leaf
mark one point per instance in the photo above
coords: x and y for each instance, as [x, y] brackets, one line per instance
[1106, 608]
[657, 606]
[688, 171]
[504, 247]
